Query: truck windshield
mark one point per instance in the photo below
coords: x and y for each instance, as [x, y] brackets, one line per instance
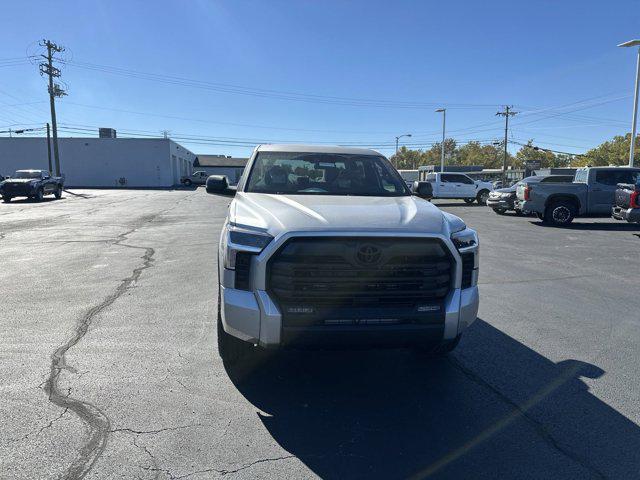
[26, 174]
[324, 174]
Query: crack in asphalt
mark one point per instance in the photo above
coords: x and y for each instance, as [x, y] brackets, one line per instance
[519, 411]
[221, 472]
[96, 421]
[94, 418]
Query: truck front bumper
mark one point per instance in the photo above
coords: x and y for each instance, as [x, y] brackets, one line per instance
[631, 215]
[255, 318]
[505, 204]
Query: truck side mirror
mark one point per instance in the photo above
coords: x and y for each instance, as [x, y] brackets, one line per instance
[217, 184]
[423, 190]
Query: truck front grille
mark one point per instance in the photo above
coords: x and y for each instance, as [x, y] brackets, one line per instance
[364, 279]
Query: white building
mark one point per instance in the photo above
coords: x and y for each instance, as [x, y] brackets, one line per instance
[231, 167]
[103, 162]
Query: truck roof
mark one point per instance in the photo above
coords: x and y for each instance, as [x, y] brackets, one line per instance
[31, 170]
[617, 167]
[304, 148]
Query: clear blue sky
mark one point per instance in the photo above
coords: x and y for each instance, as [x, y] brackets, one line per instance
[555, 61]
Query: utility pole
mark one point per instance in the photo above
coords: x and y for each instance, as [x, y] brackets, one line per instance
[49, 150]
[507, 113]
[54, 91]
[444, 123]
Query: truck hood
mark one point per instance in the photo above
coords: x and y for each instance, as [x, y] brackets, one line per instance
[276, 214]
[20, 180]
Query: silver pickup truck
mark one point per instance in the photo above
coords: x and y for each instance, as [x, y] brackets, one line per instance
[327, 246]
[592, 193]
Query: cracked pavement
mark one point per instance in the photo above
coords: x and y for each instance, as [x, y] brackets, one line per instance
[109, 366]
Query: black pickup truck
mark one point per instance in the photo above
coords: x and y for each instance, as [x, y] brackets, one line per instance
[32, 184]
[627, 206]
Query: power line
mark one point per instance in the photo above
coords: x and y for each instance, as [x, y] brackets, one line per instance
[269, 93]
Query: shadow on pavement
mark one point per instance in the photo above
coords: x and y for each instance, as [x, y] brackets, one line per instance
[23, 200]
[495, 409]
[613, 226]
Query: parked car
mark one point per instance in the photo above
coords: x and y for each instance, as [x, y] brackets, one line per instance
[627, 206]
[339, 253]
[591, 193]
[461, 186]
[31, 183]
[196, 178]
[504, 199]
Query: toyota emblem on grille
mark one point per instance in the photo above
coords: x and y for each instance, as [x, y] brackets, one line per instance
[368, 254]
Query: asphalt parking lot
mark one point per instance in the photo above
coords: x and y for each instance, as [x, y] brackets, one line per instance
[109, 364]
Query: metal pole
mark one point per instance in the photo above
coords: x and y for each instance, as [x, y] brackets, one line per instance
[444, 123]
[397, 138]
[49, 150]
[504, 159]
[635, 113]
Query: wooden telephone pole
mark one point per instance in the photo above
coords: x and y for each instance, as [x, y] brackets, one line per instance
[47, 68]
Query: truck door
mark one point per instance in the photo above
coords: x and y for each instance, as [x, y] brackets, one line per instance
[446, 185]
[453, 186]
[467, 187]
[602, 189]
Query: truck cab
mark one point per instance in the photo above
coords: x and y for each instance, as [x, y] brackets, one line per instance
[460, 186]
[592, 193]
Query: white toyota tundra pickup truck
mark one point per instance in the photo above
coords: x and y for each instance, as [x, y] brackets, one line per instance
[326, 246]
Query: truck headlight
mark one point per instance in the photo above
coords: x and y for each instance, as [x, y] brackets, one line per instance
[464, 239]
[238, 239]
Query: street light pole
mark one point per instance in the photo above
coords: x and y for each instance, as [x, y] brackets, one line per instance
[397, 140]
[634, 120]
[444, 124]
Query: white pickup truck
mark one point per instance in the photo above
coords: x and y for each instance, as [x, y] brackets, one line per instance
[459, 185]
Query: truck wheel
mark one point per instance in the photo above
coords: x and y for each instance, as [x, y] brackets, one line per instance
[187, 182]
[442, 349]
[6, 199]
[500, 211]
[39, 195]
[560, 213]
[232, 350]
[58, 193]
[469, 200]
[482, 197]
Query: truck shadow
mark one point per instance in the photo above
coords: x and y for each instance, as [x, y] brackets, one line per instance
[494, 409]
[618, 226]
[23, 200]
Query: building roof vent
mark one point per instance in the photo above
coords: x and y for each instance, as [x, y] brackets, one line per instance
[107, 132]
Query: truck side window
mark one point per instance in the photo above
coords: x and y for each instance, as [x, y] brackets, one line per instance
[606, 177]
[448, 178]
[465, 179]
[613, 177]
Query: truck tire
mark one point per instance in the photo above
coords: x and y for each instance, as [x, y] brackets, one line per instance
[6, 199]
[500, 211]
[39, 195]
[232, 350]
[58, 193]
[187, 182]
[469, 200]
[442, 349]
[560, 213]
[483, 196]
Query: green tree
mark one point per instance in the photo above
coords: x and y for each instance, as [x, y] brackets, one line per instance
[612, 152]
[474, 153]
[530, 152]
